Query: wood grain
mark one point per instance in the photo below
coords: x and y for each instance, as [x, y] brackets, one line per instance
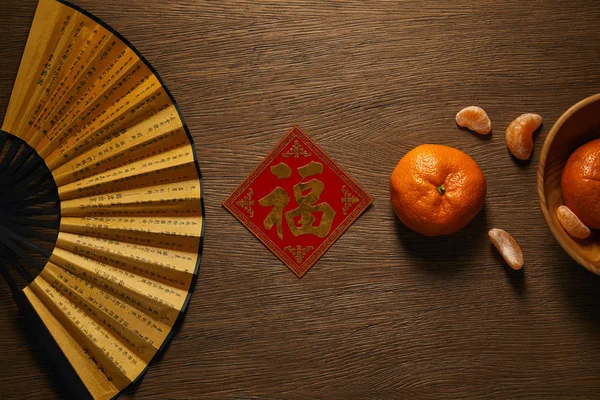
[385, 313]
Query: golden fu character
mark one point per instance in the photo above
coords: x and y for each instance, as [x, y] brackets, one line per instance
[306, 208]
[279, 199]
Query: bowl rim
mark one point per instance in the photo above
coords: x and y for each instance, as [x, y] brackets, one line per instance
[540, 179]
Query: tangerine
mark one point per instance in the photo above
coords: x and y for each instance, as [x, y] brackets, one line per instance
[580, 183]
[437, 190]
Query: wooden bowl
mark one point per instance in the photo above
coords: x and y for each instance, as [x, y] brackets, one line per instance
[578, 125]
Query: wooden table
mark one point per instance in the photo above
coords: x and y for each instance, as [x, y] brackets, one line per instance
[385, 313]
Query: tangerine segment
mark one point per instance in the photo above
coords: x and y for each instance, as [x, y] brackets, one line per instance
[519, 135]
[508, 248]
[437, 190]
[580, 183]
[475, 119]
[571, 223]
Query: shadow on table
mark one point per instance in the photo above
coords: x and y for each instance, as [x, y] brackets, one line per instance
[483, 138]
[445, 255]
[59, 386]
[515, 278]
[448, 255]
[580, 287]
[132, 388]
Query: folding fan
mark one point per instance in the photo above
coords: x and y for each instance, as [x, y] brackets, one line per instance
[100, 182]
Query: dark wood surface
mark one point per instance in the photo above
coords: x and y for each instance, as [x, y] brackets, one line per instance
[385, 313]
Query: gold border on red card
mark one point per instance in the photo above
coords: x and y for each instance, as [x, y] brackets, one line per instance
[361, 206]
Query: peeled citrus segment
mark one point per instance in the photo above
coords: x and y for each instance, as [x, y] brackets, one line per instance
[474, 118]
[508, 248]
[571, 223]
[519, 135]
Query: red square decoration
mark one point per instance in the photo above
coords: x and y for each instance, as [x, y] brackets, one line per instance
[298, 202]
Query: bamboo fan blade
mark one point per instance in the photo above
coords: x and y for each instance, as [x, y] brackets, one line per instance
[101, 211]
